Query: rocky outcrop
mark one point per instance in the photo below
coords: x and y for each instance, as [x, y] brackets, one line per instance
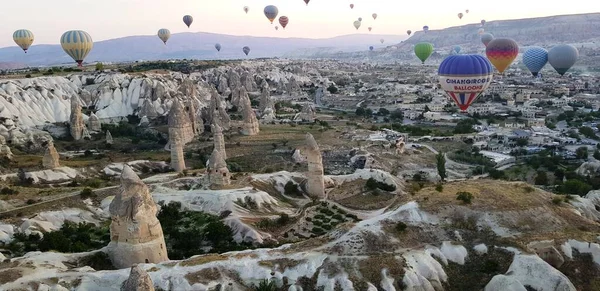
[216, 170]
[234, 80]
[219, 140]
[76, 120]
[400, 144]
[138, 280]
[136, 234]
[148, 109]
[306, 114]
[315, 183]
[51, 157]
[223, 87]
[247, 81]
[109, 138]
[250, 126]
[179, 123]
[94, 123]
[177, 159]
[237, 96]
[548, 253]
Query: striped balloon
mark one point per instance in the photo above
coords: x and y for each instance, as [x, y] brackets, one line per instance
[465, 77]
[283, 20]
[188, 19]
[502, 52]
[535, 58]
[23, 38]
[77, 44]
[164, 34]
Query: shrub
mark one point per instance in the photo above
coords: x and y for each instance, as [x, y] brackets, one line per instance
[338, 217]
[87, 193]
[401, 226]
[490, 267]
[557, 200]
[465, 197]
[8, 191]
[291, 188]
[30, 201]
[439, 187]
[373, 184]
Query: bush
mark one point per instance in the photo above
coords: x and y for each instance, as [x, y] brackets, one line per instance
[490, 267]
[557, 200]
[465, 197]
[8, 191]
[439, 187]
[401, 226]
[373, 184]
[291, 188]
[87, 193]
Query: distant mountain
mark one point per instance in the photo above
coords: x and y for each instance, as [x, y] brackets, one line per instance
[193, 46]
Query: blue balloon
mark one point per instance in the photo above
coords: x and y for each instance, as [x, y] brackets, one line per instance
[535, 58]
[465, 77]
[371, 48]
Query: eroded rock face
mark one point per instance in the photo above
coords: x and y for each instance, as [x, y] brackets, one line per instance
[219, 140]
[76, 120]
[218, 174]
[177, 159]
[136, 234]
[250, 125]
[138, 280]
[94, 123]
[179, 123]
[315, 184]
[50, 160]
[306, 114]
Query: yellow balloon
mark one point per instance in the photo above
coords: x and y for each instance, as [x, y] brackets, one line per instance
[23, 38]
[77, 44]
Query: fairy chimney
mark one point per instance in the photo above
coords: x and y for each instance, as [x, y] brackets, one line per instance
[218, 174]
[50, 160]
[138, 280]
[179, 123]
[177, 160]
[76, 120]
[197, 124]
[266, 102]
[109, 138]
[307, 113]
[136, 236]
[247, 81]
[250, 125]
[400, 144]
[219, 140]
[94, 123]
[315, 184]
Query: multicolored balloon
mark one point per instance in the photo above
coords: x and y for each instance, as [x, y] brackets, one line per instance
[271, 12]
[374, 16]
[486, 38]
[246, 8]
[188, 19]
[502, 52]
[457, 49]
[465, 77]
[562, 57]
[246, 50]
[409, 32]
[164, 34]
[535, 58]
[460, 16]
[77, 44]
[284, 20]
[357, 24]
[23, 38]
[218, 47]
[423, 50]
[426, 28]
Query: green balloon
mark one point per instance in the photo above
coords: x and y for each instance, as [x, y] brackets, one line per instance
[423, 50]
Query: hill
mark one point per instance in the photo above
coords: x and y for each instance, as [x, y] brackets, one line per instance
[198, 45]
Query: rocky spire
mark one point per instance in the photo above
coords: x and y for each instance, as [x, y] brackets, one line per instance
[237, 96]
[188, 88]
[94, 123]
[265, 99]
[292, 86]
[195, 120]
[234, 80]
[218, 174]
[400, 144]
[148, 109]
[223, 84]
[219, 140]
[50, 160]
[179, 122]
[136, 234]
[217, 113]
[5, 151]
[315, 184]
[247, 81]
[109, 138]
[138, 280]
[76, 120]
[250, 125]
[307, 113]
[177, 160]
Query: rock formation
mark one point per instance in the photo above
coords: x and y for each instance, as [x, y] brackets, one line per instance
[315, 184]
[292, 86]
[219, 140]
[147, 109]
[223, 87]
[177, 160]
[307, 113]
[217, 113]
[548, 253]
[237, 96]
[5, 151]
[195, 120]
[265, 99]
[188, 88]
[138, 280]
[234, 80]
[76, 120]
[400, 144]
[109, 138]
[247, 81]
[94, 123]
[135, 233]
[179, 123]
[50, 160]
[85, 133]
[250, 125]
[217, 171]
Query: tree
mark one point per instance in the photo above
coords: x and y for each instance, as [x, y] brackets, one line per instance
[383, 112]
[541, 178]
[332, 89]
[441, 165]
[521, 142]
[360, 111]
[397, 115]
[581, 153]
[99, 66]
[587, 132]
[597, 155]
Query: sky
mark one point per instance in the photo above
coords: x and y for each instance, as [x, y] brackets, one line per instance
[108, 19]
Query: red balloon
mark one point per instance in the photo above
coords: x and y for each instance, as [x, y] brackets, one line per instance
[283, 20]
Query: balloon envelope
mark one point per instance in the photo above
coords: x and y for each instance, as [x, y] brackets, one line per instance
[480, 31]
[426, 28]
[246, 50]
[271, 12]
[371, 48]
[351, 6]
[423, 50]
[284, 20]
[486, 38]
[77, 44]
[483, 22]
[408, 32]
[562, 57]
[502, 52]
[464, 77]
[357, 24]
[374, 16]
[188, 19]
[535, 58]
[306, 1]
[164, 34]
[360, 19]
[460, 15]
[246, 8]
[370, 28]
[218, 47]
[23, 38]
[382, 40]
[457, 49]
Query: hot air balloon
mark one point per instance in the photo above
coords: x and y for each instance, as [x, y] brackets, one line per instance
[23, 38]
[246, 8]
[374, 16]
[370, 28]
[562, 57]
[408, 32]
[423, 50]
[486, 38]
[271, 12]
[357, 24]
[464, 77]
[360, 19]
[535, 58]
[381, 40]
[480, 31]
[246, 50]
[456, 49]
[218, 47]
[426, 28]
[283, 20]
[460, 15]
[276, 27]
[467, 11]
[502, 52]
[306, 1]
[77, 44]
[164, 34]
[482, 22]
[371, 48]
[351, 6]
[188, 19]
